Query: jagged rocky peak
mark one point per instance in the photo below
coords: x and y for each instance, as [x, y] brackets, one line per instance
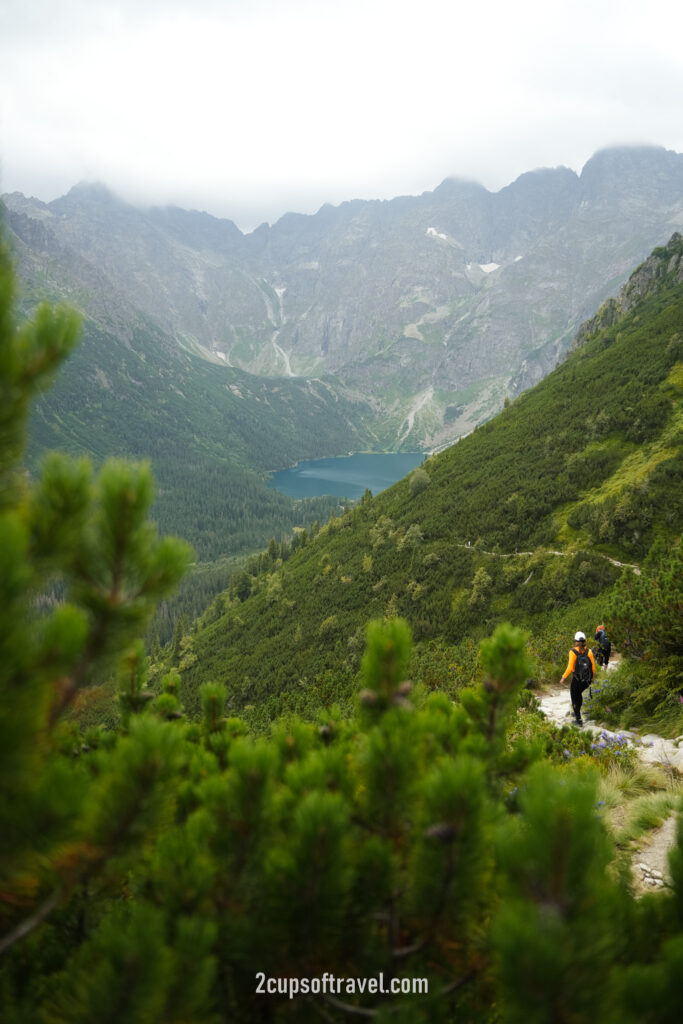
[543, 179]
[663, 268]
[17, 202]
[91, 192]
[454, 186]
[633, 170]
[195, 228]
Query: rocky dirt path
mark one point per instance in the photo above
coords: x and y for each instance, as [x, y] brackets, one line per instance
[650, 863]
[653, 749]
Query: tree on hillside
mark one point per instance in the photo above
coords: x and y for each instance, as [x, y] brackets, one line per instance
[646, 611]
[91, 531]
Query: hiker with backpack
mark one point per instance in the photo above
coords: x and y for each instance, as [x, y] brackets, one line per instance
[604, 648]
[581, 667]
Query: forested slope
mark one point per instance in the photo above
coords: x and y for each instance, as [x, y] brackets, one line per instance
[520, 520]
[211, 432]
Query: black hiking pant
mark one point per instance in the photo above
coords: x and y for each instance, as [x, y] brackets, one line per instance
[576, 694]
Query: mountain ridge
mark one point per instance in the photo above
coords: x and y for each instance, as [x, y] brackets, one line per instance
[471, 293]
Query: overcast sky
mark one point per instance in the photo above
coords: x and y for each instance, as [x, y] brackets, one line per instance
[251, 108]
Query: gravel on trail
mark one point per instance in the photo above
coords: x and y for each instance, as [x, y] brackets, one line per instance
[650, 865]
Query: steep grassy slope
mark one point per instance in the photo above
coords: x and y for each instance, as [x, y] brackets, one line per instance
[518, 521]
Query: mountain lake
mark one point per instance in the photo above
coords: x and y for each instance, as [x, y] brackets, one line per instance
[345, 476]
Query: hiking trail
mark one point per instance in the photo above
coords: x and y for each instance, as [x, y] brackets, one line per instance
[650, 863]
[556, 706]
[547, 551]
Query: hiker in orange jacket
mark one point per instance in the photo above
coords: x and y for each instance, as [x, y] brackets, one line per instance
[604, 647]
[581, 667]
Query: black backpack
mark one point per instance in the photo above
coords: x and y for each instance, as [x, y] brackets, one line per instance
[583, 670]
[604, 642]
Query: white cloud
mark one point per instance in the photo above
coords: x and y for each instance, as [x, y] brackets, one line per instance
[252, 107]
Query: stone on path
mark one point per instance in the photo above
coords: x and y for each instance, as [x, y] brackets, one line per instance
[651, 871]
[652, 749]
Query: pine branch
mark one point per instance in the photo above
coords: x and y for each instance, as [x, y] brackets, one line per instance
[70, 687]
[358, 1011]
[405, 951]
[27, 926]
[455, 985]
[321, 1010]
[440, 902]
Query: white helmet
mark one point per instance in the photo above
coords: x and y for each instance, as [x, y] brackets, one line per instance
[580, 636]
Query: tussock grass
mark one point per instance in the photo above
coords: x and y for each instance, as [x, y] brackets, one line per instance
[637, 798]
[647, 813]
[632, 781]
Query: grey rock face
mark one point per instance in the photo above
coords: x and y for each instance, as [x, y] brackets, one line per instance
[433, 307]
[665, 262]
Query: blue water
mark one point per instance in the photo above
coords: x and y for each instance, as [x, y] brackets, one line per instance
[346, 476]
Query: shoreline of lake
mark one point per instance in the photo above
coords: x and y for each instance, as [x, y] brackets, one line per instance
[347, 455]
[340, 476]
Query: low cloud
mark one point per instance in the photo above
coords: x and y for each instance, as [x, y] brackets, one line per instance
[250, 109]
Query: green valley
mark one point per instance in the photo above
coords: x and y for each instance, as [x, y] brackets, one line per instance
[372, 326]
[211, 432]
[421, 843]
[522, 521]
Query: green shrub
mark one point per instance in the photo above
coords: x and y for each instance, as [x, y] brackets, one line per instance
[645, 695]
